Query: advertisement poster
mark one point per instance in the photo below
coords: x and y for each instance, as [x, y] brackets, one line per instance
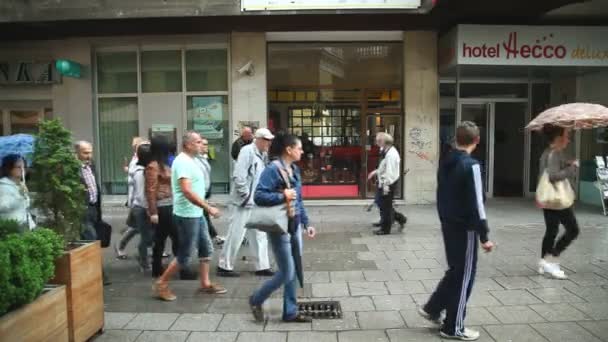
[207, 116]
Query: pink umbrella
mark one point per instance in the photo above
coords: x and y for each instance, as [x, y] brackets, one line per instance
[572, 115]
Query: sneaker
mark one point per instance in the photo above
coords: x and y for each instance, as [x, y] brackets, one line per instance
[402, 224]
[299, 319]
[553, 270]
[437, 320]
[166, 255]
[227, 273]
[120, 254]
[467, 335]
[219, 240]
[380, 232]
[162, 291]
[257, 311]
[213, 289]
[265, 273]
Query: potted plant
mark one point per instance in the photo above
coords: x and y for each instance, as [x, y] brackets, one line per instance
[30, 311]
[60, 199]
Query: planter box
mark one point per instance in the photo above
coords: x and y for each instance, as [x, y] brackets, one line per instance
[79, 269]
[45, 319]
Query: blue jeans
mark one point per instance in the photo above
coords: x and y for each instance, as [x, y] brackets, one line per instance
[191, 231]
[146, 233]
[286, 275]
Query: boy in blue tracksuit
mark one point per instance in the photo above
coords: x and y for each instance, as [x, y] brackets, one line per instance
[463, 221]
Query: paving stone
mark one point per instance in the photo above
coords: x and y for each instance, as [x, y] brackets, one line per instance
[316, 277]
[412, 335]
[197, 322]
[385, 247]
[117, 320]
[553, 295]
[393, 302]
[420, 298]
[590, 293]
[598, 328]
[352, 304]
[152, 321]
[423, 263]
[514, 283]
[330, 290]
[430, 284]
[371, 288]
[479, 316]
[276, 324]
[394, 264]
[588, 279]
[362, 336]
[372, 255]
[549, 282]
[262, 337]
[348, 322]
[229, 305]
[483, 335]
[312, 336]
[515, 297]
[381, 275]
[212, 336]
[514, 333]
[163, 336]
[346, 276]
[405, 287]
[486, 284]
[117, 336]
[380, 320]
[483, 299]
[564, 332]
[421, 274]
[516, 314]
[414, 320]
[596, 310]
[396, 255]
[239, 322]
[559, 312]
[408, 247]
[516, 270]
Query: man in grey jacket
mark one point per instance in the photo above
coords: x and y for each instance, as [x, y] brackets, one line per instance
[250, 163]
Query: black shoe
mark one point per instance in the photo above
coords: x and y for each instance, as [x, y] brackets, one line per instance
[380, 232]
[257, 311]
[227, 273]
[402, 224]
[265, 273]
[377, 224]
[299, 319]
[106, 281]
[188, 275]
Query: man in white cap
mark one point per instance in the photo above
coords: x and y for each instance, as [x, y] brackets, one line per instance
[250, 163]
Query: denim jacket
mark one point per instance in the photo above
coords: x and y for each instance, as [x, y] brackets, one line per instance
[269, 191]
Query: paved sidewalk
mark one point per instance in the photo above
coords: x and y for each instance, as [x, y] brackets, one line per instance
[379, 281]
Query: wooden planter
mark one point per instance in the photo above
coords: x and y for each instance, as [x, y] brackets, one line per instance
[45, 319]
[79, 269]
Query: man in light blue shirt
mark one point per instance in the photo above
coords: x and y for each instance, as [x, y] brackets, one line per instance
[188, 187]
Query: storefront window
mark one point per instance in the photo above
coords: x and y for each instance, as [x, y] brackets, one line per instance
[161, 71]
[117, 72]
[447, 116]
[208, 115]
[118, 124]
[324, 94]
[25, 121]
[207, 70]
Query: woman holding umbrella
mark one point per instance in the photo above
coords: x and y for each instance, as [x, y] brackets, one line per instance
[280, 182]
[556, 123]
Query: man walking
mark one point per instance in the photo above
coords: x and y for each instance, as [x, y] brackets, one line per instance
[245, 139]
[249, 166]
[388, 173]
[188, 187]
[463, 222]
[203, 161]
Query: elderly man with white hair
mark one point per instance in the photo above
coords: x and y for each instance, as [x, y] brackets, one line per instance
[388, 173]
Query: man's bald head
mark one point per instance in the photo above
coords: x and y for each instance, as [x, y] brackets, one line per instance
[84, 151]
[247, 134]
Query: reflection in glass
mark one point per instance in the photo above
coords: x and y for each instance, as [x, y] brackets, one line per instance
[161, 71]
[207, 70]
[116, 72]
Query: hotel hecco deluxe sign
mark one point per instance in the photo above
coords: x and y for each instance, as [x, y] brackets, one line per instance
[312, 5]
[525, 45]
[28, 73]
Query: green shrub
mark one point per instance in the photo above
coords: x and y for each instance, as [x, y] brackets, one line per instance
[9, 227]
[27, 262]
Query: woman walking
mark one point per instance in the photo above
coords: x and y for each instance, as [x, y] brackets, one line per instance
[139, 205]
[160, 201]
[14, 196]
[280, 182]
[558, 168]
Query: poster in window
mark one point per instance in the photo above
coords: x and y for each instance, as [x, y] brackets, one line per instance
[207, 116]
[602, 135]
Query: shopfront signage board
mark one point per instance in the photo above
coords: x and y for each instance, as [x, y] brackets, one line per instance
[524, 46]
[315, 5]
[207, 116]
[27, 72]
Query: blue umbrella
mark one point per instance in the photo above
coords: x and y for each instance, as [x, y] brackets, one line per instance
[22, 144]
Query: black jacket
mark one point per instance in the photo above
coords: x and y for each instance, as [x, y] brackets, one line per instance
[236, 147]
[460, 199]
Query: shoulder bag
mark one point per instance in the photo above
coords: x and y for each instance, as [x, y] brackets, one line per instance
[554, 195]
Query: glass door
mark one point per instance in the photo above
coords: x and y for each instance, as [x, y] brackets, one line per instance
[375, 123]
[480, 114]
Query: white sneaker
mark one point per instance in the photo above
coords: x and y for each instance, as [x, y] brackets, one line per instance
[552, 269]
[428, 317]
[467, 335]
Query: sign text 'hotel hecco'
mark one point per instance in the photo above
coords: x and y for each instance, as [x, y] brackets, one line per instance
[511, 48]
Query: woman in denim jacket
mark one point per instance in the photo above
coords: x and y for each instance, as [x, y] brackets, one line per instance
[272, 190]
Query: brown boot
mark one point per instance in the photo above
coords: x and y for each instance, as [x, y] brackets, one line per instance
[162, 291]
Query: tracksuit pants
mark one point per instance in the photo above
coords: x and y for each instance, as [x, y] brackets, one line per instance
[454, 289]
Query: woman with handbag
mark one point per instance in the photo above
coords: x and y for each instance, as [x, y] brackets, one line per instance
[14, 196]
[555, 196]
[280, 184]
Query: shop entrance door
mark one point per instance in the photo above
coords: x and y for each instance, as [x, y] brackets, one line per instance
[501, 151]
[375, 123]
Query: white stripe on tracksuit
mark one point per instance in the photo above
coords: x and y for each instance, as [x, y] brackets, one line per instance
[466, 282]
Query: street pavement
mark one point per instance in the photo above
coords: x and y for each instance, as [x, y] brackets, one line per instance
[379, 281]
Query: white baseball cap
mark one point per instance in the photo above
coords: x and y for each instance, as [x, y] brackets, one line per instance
[263, 133]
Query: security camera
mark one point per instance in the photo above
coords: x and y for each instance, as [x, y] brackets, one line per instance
[247, 69]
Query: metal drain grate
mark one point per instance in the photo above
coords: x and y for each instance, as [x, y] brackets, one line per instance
[322, 310]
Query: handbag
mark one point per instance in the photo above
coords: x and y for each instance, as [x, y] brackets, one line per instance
[274, 219]
[554, 195]
[104, 233]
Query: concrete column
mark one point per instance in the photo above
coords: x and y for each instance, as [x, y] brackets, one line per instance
[421, 104]
[248, 93]
[73, 97]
